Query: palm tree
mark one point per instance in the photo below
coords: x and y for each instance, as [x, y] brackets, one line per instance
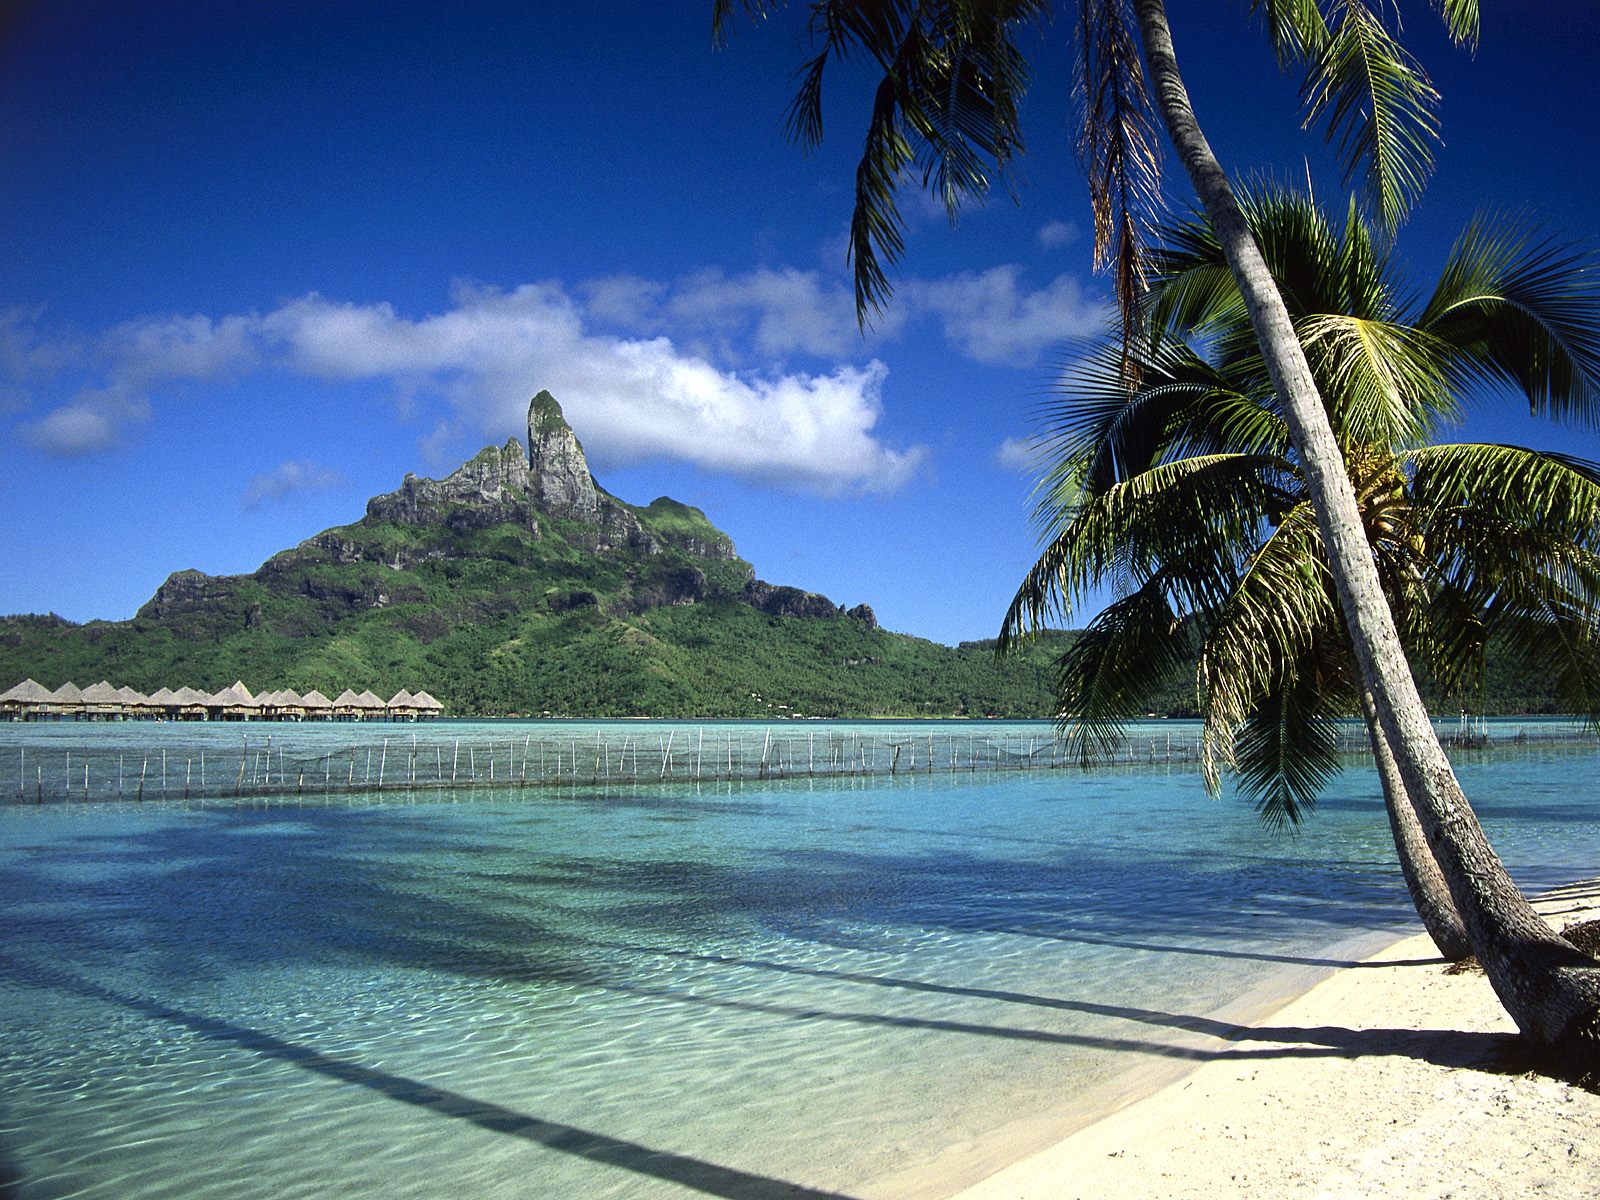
[947, 105]
[1188, 490]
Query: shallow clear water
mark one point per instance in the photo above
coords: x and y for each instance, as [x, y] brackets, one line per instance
[666, 990]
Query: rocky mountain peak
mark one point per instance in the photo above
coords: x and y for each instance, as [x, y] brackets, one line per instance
[487, 489]
[558, 474]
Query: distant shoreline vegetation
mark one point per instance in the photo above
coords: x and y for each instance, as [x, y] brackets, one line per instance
[798, 666]
[518, 585]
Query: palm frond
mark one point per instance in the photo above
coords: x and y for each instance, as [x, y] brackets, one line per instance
[1287, 749]
[946, 101]
[1297, 27]
[1119, 149]
[1130, 652]
[1522, 312]
[1385, 384]
[1183, 520]
[1539, 488]
[1461, 20]
[1378, 104]
[1273, 617]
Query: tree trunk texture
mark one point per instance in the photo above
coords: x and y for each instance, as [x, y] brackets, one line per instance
[1550, 989]
[1430, 893]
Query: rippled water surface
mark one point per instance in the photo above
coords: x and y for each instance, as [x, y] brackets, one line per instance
[669, 990]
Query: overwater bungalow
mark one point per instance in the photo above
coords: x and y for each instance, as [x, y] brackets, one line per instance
[134, 703]
[166, 703]
[101, 702]
[284, 704]
[31, 701]
[193, 704]
[234, 703]
[67, 700]
[25, 701]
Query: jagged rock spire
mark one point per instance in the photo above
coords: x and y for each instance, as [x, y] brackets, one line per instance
[558, 473]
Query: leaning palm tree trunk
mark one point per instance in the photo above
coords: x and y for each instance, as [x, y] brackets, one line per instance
[1550, 989]
[1424, 880]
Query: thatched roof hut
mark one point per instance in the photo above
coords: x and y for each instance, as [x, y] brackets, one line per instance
[101, 699]
[29, 691]
[29, 696]
[347, 705]
[67, 698]
[132, 700]
[234, 700]
[316, 704]
[427, 704]
[369, 703]
[285, 702]
[192, 701]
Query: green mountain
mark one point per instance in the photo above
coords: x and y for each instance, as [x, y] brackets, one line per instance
[519, 585]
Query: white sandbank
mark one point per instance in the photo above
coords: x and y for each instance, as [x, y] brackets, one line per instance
[1383, 1080]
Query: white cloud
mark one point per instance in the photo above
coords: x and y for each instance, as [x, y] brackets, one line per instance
[152, 349]
[1019, 454]
[633, 395]
[767, 313]
[94, 420]
[631, 399]
[298, 475]
[1057, 233]
[991, 317]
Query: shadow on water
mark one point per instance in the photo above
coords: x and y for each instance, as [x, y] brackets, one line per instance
[475, 904]
[1219, 952]
[711, 1178]
[10, 1174]
[1219, 1029]
[1493, 1052]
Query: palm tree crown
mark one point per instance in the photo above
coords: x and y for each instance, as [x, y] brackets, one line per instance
[1188, 493]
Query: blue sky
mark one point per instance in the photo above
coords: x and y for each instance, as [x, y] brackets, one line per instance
[263, 258]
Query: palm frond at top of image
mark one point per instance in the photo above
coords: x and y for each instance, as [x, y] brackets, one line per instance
[951, 79]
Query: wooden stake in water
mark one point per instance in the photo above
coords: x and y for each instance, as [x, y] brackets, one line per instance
[381, 761]
[666, 755]
[238, 784]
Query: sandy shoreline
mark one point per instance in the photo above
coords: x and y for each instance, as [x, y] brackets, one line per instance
[1388, 1080]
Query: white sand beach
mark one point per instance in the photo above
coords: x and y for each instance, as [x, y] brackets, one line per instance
[1389, 1080]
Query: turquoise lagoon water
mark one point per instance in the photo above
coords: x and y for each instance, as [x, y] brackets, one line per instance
[751, 990]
